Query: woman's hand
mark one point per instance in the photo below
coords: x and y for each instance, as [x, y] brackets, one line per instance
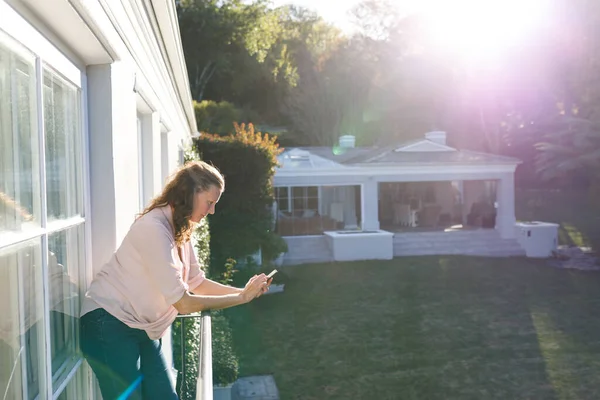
[256, 286]
[266, 288]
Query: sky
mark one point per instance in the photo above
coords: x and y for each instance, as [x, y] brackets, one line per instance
[333, 11]
[474, 28]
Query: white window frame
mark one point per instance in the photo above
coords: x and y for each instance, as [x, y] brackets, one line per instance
[145, 150]
[165, 170]
[47, 54]
[290, 199]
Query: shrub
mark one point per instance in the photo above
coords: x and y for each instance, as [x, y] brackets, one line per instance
[273, 246]
[243, 221]
[225, 362]
[186, 389]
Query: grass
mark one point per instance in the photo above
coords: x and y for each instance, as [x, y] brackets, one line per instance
[426, 328]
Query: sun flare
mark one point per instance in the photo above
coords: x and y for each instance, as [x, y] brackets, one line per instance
[480, 28]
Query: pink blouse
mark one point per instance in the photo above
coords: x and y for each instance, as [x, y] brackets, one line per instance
[145, 276]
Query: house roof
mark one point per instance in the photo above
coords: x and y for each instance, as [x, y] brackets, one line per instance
[418, 152]
[439, 157]
[300, 158]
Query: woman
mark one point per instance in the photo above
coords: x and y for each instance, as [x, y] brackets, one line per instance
[139, 292]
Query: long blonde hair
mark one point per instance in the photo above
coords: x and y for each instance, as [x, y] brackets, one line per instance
[12, 213]
[192, 178]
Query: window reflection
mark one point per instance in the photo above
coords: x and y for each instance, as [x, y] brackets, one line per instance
[22, 310]
[21, 320]
[63, 148]
[19, 161]
[39, 277]
[65, 256]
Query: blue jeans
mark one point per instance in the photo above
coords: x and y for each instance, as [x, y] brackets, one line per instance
[127, 363]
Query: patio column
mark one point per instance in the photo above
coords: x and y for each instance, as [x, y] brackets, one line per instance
[350, 221]
[505, 196]
[370, 206]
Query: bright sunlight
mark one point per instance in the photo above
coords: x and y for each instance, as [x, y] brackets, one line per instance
[480, 29]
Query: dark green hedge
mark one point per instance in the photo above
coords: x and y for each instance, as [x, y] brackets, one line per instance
[225, 362]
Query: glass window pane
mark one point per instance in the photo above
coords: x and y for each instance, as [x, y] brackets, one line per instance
[75, 388]
[298, 192]
[19, 161]
[65, 259]
[298, 204]
[21, 321]
[62, 123]
[281, 195]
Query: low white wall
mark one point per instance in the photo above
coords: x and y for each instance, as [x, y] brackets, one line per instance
[353, 246]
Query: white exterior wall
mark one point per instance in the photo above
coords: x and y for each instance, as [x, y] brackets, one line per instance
[131, 63]
[505, 218]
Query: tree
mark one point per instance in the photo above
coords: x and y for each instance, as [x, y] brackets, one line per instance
[331, 97]
[568, 141]
[219, 118]
[213, 31]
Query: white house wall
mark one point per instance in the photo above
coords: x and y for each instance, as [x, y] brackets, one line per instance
[121, 35]
[130, 63]
[97, 32]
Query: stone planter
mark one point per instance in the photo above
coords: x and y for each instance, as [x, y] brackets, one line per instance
[361, 245]
[222, 392]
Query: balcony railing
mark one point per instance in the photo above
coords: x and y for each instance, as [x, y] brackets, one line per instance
[204, 382]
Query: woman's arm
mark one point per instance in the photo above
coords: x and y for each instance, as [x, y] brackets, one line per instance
[210, 287]
[190, 303]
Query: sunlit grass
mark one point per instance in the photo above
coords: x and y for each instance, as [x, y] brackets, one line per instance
[426, 328]
[571, 235]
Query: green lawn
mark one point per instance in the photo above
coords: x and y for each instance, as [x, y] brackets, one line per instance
[434, 327]
[426, 328]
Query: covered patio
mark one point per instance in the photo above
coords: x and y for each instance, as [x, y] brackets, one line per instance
[421, 186]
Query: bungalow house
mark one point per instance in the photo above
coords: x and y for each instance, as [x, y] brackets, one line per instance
[95, 108]
[421, 197]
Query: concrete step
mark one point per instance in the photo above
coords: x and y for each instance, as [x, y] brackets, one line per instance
[458, 253]
[490, 249]
[486, 242]
[307, 250]
[307, 260]
[503, 242]
[449, 238]
[458, 233]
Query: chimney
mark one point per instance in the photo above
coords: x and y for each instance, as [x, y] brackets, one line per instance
[347, 141]
[437, 137]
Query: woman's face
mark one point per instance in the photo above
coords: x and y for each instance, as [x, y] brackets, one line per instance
[204, 203]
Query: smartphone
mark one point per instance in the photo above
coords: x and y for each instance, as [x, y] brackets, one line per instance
[271, 274]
